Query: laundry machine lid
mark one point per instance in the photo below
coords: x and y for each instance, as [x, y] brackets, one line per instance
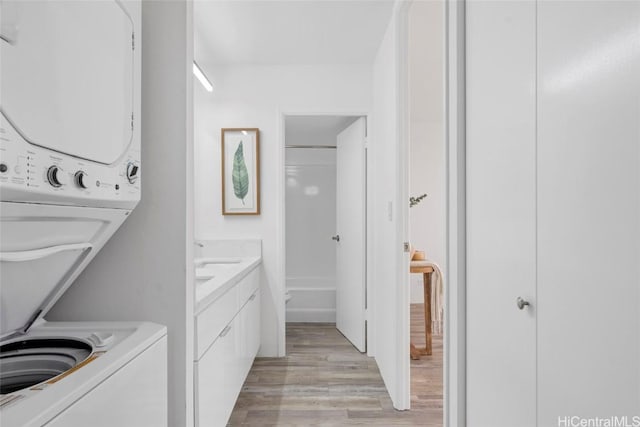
[42, 250]
[67, 75]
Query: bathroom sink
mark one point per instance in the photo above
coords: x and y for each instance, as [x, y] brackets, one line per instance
[216, 266]
[204, 274]
[201, 281]
[211, 269]
[201, 262]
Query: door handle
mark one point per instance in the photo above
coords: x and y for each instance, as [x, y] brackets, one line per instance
[521, 303]
[336, 238]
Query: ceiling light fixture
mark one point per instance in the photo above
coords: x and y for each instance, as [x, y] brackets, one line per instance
[202, 78]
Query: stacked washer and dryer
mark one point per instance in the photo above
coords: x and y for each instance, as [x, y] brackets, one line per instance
[69, 176]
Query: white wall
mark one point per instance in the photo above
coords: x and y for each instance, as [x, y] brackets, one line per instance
[427, 144]
[256, 96]
[145, 271]
[310, 223]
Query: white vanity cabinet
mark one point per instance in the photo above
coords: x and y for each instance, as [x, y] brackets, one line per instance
[227, 341]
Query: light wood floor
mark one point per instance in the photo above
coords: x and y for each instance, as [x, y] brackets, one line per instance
[325, 381]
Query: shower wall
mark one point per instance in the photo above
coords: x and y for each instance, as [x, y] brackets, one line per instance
[310, 223]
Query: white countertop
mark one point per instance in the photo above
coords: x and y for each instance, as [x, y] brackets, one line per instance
[226, 272]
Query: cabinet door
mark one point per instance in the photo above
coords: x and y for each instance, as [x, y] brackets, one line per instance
[254, 325]
[216, 379]
[588, 209]
[248, 340]
[501, 235]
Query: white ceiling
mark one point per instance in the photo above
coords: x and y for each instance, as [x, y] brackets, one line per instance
[315, 130]
[300, 32]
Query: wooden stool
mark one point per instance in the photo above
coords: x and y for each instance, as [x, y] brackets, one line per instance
[426, 271]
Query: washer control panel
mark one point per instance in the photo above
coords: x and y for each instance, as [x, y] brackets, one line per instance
[35, 174]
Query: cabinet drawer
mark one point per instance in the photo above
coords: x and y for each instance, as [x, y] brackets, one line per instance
[213, 320]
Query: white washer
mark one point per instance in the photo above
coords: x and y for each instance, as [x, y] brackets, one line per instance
[92, 383]
[69, 176]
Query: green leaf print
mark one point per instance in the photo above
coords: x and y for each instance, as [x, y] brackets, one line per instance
[240, 175]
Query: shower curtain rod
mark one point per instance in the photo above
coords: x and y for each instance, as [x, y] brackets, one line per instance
[311, 146]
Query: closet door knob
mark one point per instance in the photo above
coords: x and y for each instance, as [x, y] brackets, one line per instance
[336, 238]
[521, 303]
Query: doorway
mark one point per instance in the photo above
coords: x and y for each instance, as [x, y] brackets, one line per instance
[325, 223]
[262, 80]
[427, 213]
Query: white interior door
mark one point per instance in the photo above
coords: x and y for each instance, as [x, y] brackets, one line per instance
[351, 234]
[501, 197]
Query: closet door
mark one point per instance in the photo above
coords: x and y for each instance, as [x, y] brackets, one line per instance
[501, 233]
[588, 209]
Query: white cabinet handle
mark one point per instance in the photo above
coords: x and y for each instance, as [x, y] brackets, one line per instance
[225, 331]
[33, 254]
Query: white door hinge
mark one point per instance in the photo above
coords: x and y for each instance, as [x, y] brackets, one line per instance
[131, 121]
[407, 247]
[133, 41]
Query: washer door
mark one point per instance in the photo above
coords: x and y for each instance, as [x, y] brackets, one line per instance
[67, 75]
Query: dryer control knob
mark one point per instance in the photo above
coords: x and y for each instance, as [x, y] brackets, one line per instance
[82, 180]
[56, 176]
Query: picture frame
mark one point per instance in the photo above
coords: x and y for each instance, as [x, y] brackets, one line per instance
[240, 171]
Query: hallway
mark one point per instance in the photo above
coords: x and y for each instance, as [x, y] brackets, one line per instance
[324, 380]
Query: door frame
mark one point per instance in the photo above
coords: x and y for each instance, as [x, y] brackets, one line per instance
[281, 221]
[456, 292]
[454, 368]
[455, 265]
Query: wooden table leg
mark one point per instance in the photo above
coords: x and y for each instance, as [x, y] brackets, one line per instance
[414, 353]
[427, 313]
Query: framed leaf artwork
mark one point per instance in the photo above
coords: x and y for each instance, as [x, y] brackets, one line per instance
[240, 171]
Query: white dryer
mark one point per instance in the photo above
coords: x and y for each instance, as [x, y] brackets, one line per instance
[69, 177]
